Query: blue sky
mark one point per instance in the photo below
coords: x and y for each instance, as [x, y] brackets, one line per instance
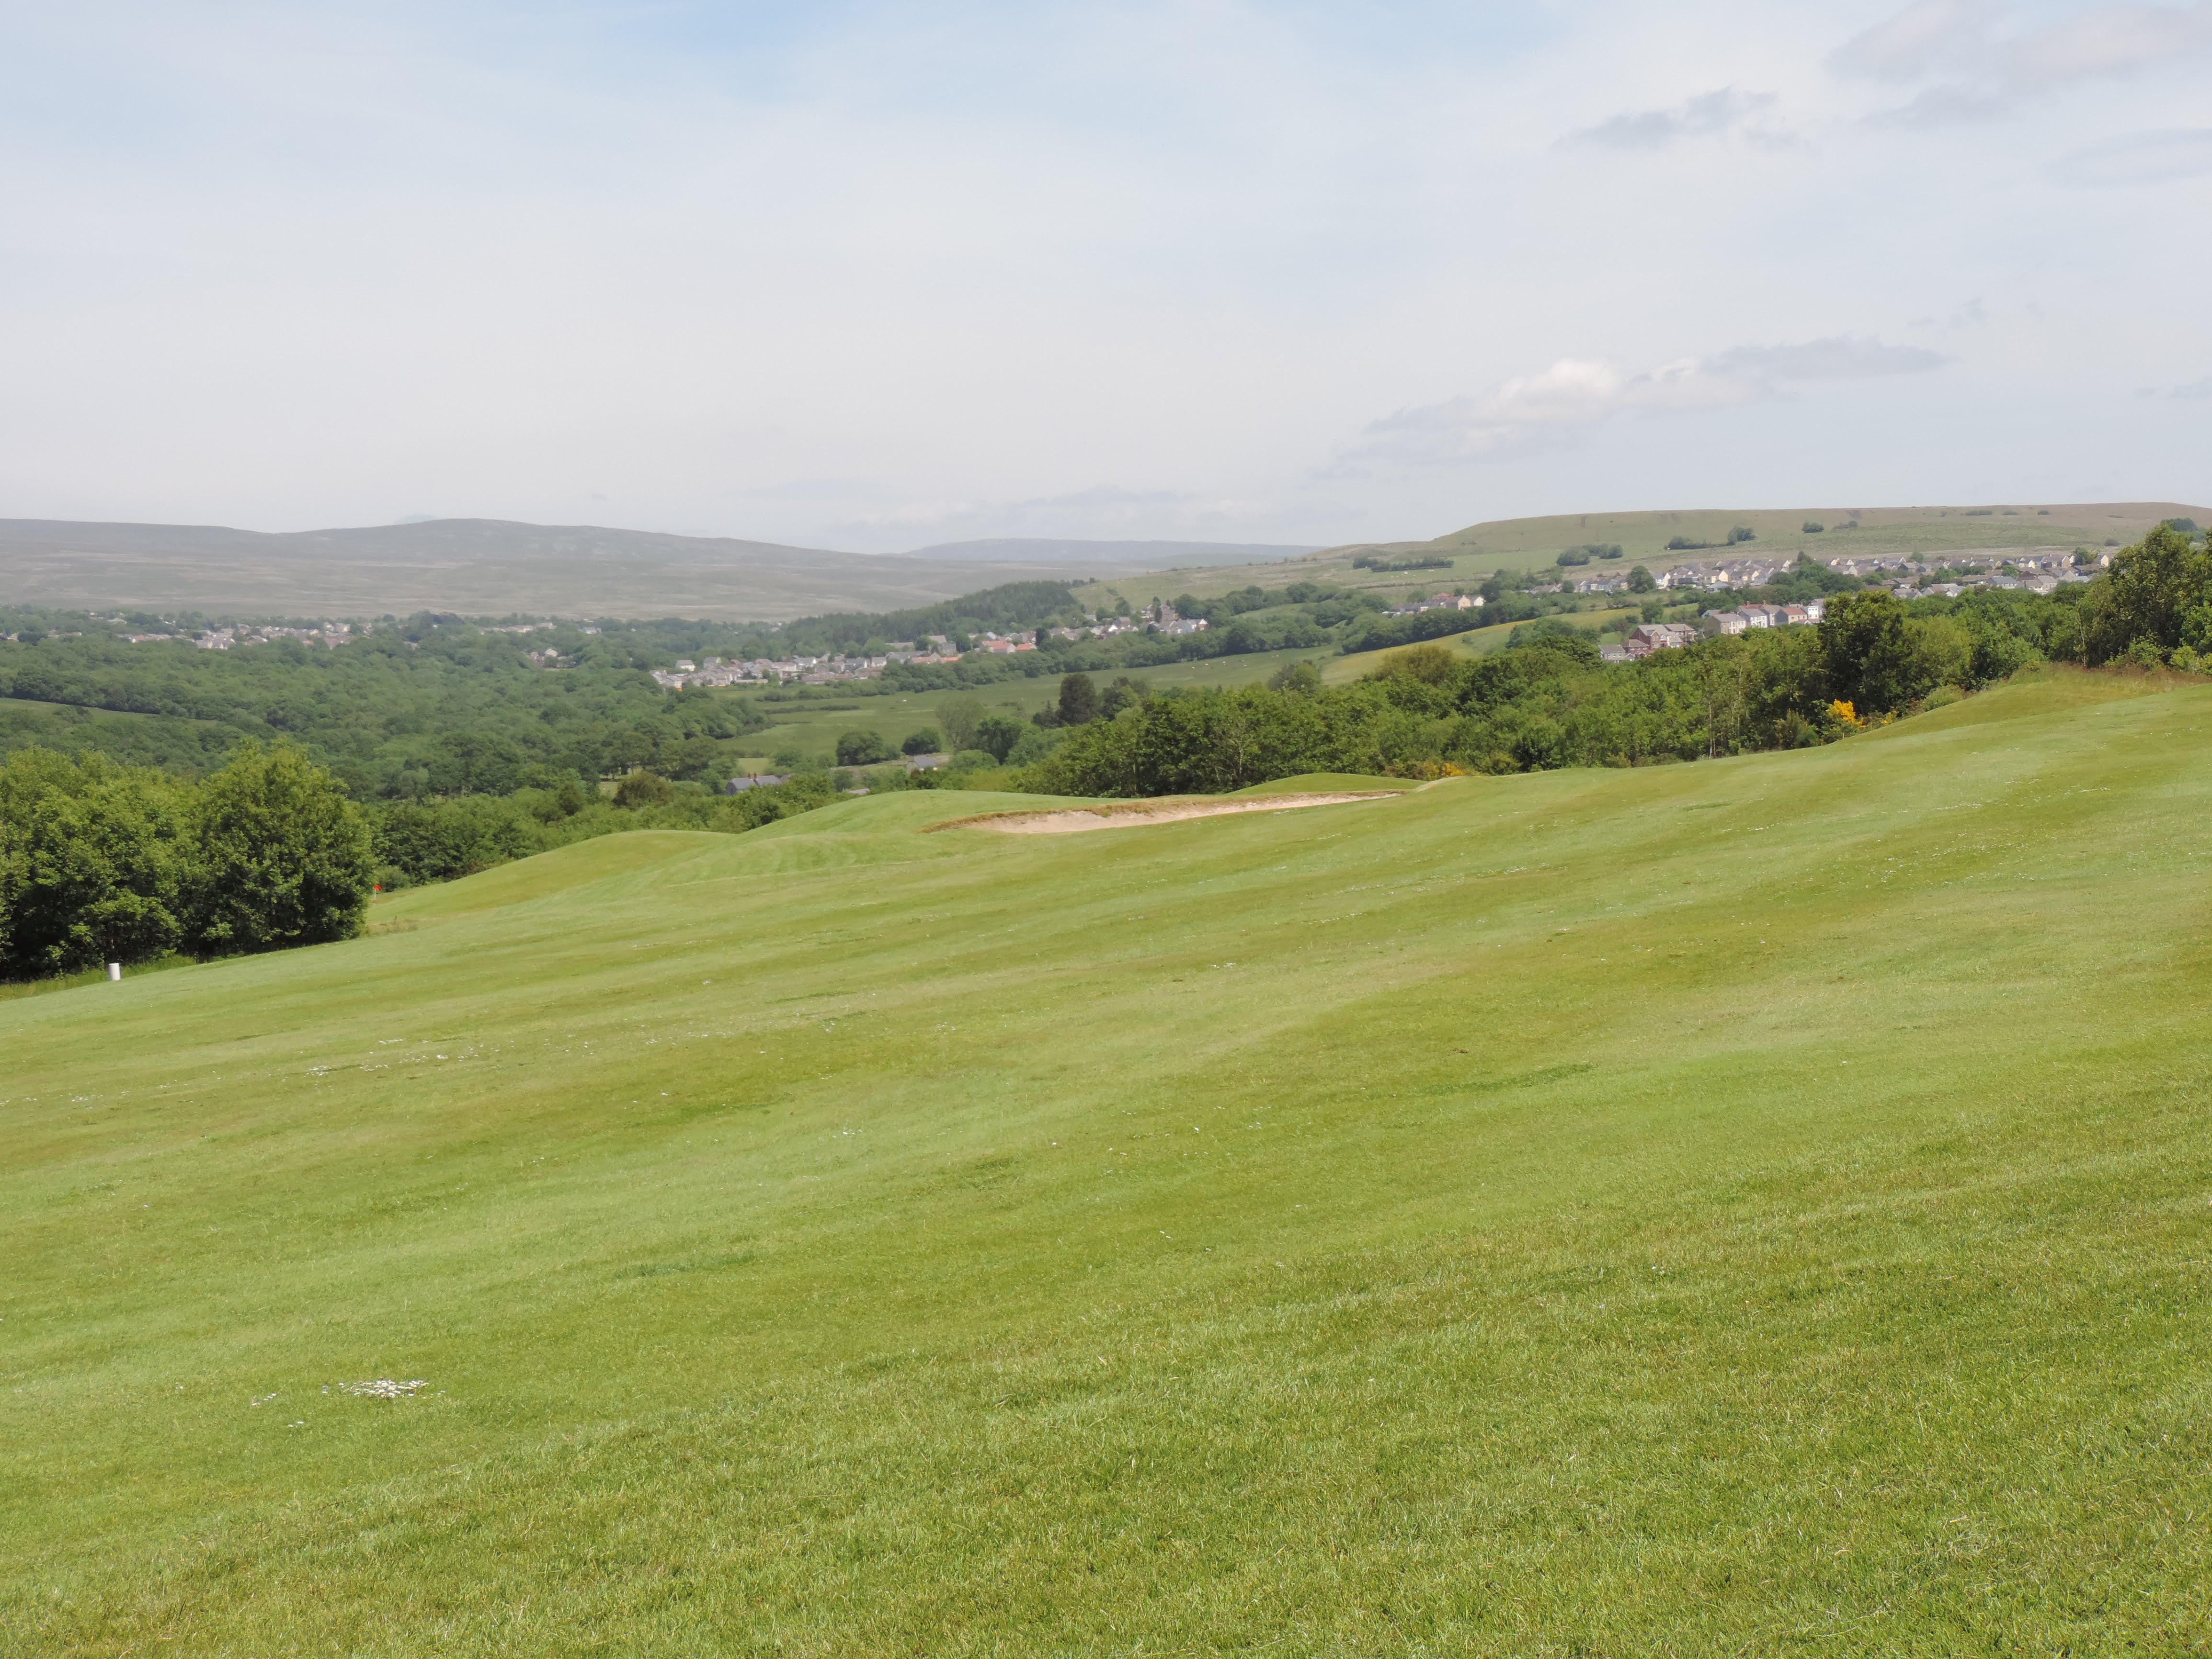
[876, 275]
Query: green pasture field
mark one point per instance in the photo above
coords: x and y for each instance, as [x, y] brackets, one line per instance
[814, 729]
[25, 710]
[1757, 1207]
[1476, 642]
[143, 739]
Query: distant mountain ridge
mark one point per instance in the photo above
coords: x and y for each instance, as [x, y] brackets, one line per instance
[494, 566]
[420, 539]
[1150, 555]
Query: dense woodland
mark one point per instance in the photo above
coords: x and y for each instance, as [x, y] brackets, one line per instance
[433, 706]
[167, 799]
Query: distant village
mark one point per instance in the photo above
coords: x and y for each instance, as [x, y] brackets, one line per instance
[2035, 573]
[2041, 573]
[1159, 617]
[329, 634]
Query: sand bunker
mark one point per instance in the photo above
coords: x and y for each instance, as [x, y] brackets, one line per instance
[1134, 814]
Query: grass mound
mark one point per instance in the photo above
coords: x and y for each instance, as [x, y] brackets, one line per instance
[1752, 1206]
[1324, 783]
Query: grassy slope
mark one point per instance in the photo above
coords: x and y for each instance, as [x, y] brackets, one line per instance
[1874, 530]
[1754, 1206]
[146, 739]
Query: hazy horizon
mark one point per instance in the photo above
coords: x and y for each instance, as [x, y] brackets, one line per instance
[887, 277]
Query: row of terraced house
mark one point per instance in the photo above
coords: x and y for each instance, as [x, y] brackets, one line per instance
[1667, 636]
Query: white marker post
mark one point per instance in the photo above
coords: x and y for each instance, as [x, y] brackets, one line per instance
[114, 971]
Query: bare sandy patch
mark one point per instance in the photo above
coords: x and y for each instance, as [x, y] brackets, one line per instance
[1134, 814]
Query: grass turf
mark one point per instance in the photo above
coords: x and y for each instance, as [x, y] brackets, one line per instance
[1754, 1206]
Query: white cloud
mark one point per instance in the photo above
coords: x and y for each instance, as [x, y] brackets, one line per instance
[2194, 392]
[1975, 60]
[1574, 396]
[2110, 40]
[1918, 39]
[2138, 158]
[1839, 357]
[1721, 113]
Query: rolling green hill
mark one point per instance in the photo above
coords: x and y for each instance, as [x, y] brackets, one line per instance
[1753, 1206]
[1844, 530]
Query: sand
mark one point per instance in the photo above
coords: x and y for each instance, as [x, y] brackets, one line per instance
[1131, 815]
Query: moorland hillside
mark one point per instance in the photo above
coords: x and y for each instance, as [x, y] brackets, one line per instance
[492, 567]
[1757, 1205]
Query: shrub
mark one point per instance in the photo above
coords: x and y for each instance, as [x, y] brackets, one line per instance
[1123, 693]
[1079, 700]
[1034, 745]
[997, 734]
[642, 788]
[438, 840]
[960, 716]
[861, 749]
[927, 741]
[1432, 664]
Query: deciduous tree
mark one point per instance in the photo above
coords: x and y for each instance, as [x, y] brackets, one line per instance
[1079, 700]
[282, 857]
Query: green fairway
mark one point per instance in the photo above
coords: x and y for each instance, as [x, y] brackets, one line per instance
[1757, 1207]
